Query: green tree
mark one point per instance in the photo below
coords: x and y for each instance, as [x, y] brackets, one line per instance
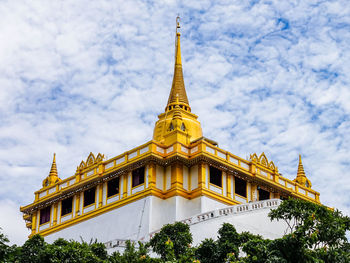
[133, 255]
[228, 242]
[314, 234]
[33, 250]
[4, 248]
[72, 251]
[207, 251]
[180, 236]
[36, 249]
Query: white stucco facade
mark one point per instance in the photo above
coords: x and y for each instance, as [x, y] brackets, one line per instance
[126, 222]
[136, 219]
[252, 217]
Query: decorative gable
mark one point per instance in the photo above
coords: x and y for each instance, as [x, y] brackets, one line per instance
[263, 161]
[91, 160]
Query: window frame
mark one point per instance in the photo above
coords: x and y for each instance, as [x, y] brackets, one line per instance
[85, 196]
[135, 173]
[213, 172]
[63, 203]
[108, 187]
[47, 214]
[246, 191]
[260, 189]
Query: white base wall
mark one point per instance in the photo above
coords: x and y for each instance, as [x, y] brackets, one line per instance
[162, 212]
[252, 217]
[178, 208]
[208, 204]
[122, 223]
[256, 222]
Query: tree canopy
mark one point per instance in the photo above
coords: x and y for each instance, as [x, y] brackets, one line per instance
[315, 234]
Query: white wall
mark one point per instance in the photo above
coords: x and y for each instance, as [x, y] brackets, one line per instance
[163, 212]
[208, 204]
[122, 223]
[256, 222]
[187, 208]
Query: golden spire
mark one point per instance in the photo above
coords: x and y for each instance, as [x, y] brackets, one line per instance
[177, 123]
[178, 92]
[52, 178]
[301, 171]
[301, 177]
[53, 171]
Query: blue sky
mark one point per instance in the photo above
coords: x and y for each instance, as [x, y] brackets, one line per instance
[91, 76]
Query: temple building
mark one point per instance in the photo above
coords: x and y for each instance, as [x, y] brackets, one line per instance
[179, 175]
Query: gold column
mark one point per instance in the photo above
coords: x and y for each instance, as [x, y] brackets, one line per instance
[252, 169]
[228, 185]
[100, 195]
[55, 213]
[77, 177]
[125, 185]
[77, 205]
[253, 192]
[152, 175]
[201, 175]
[176, 175]
[34, 222]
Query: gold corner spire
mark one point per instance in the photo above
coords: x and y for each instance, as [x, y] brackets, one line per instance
[52, 178]
[301, 177]
[53, 171]
[301, 171]
[178, 92]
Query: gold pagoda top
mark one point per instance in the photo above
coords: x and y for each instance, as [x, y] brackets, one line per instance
[177, 123]
[178, 92]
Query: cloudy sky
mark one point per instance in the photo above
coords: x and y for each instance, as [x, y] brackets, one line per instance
[91, 76]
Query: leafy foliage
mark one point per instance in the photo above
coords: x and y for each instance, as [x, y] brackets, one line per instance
[180, 237]
[4, 248]
[132, 255]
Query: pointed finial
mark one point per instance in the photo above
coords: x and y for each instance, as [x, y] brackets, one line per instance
[52, 178]
[301, 171]
[53, 171]
[177, 23]
[301, 177]
[177, 43]
[178, 86]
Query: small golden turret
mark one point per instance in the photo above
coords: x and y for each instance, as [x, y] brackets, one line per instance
[53, 175]
[301, 177]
